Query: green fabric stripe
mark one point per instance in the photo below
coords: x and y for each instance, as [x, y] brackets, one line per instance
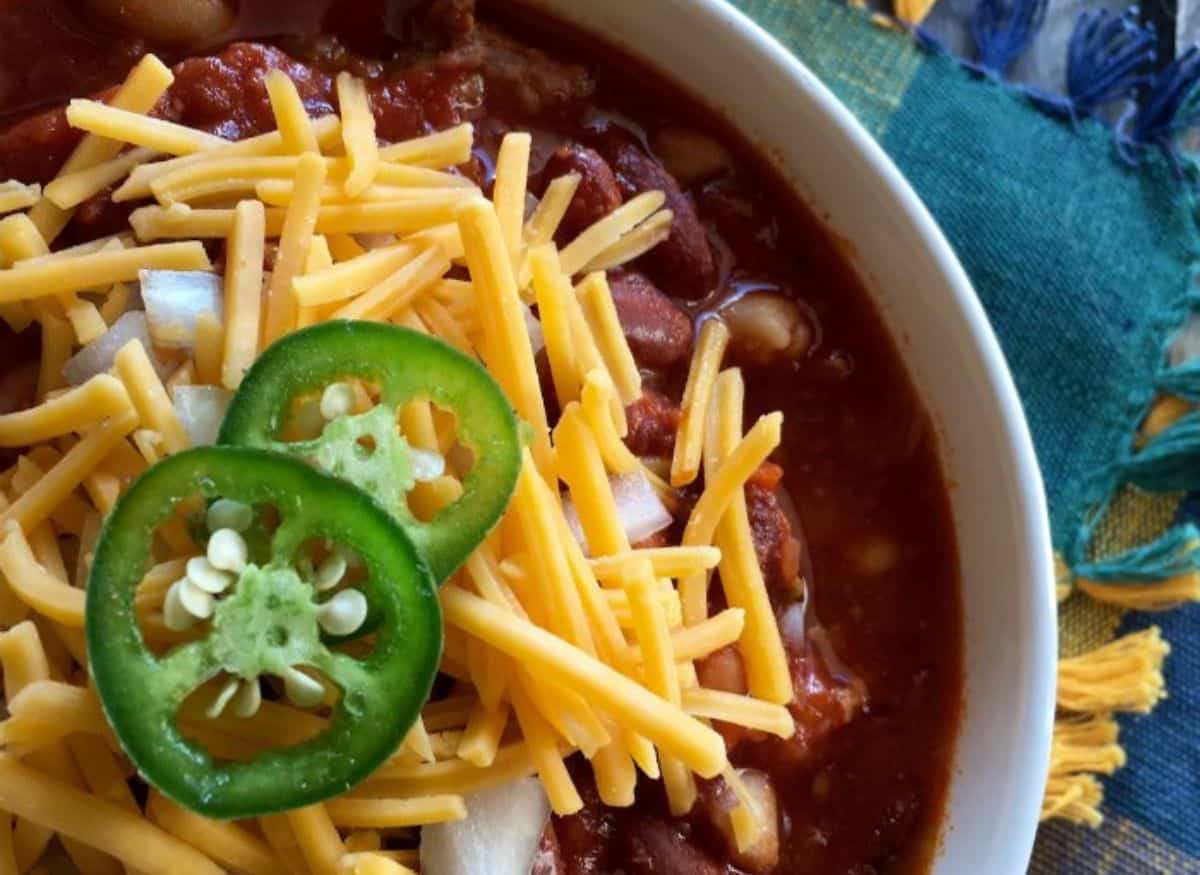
[869, 73]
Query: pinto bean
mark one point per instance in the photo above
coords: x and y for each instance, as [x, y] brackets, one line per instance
[683, 263]
[597, 194]
[658, 332]
[169, 22]
[689, 155]
[718, 800]
[723, 670]
[767, 329]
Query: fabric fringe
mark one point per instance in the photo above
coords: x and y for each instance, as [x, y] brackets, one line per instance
[1176, 552]
[1169, 106]
[1163, 413]
[1170, 461]
[1123, 675]
[1107, 59]
[1082, 748]
[1003, 29]
[1075, 798]
[1086, 744]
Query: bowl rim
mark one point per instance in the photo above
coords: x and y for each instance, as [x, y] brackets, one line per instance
[1035, 731]
[1031, 729]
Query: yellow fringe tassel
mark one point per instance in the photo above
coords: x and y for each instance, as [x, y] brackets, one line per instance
[1123, 675]
[1062, 578]
[1085, 744]
[1082, 748]
[913, 11]
[1164, 412]
[1075, 798]
[1159, 596]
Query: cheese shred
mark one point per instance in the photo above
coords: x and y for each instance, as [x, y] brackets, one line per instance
[587, 649]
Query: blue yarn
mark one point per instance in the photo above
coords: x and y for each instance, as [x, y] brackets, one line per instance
[1170, 462]
[1183, 381]
[1003, 29]
[1169, 106]
[1106, 58]
[1176, 552]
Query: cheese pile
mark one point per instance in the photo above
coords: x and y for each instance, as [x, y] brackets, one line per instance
[554, 649]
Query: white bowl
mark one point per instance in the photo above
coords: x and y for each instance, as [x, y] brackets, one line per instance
[950, 352]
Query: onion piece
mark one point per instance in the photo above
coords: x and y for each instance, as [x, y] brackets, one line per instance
[793, 627]
[98, 356]
[536, 338]
[201, 409]
[499, 835]
[174, 299]
[639, 509]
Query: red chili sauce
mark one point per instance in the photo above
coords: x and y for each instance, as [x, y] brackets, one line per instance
[851, 520]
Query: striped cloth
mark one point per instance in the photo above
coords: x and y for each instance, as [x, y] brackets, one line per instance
[1082, 247]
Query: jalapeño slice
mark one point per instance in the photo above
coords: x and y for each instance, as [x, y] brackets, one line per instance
[366, 448]
[267, 621]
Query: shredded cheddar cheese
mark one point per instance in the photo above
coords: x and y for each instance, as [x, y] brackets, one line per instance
[558, 646]
[16, 195]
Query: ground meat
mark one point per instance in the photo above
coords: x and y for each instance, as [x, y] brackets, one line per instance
[525, 80]
[659, 333]
[32, 150]
[226, 94]
[424, 99]
[683, 263]
[653, 420]
[98, 216]
[597, 194]
[779, 552]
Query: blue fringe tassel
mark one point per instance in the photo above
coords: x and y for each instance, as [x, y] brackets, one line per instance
[1176, 552]
[1169, 106]
[1170, 462]
[1003, 29]
[1106, 58]
[1183, 381]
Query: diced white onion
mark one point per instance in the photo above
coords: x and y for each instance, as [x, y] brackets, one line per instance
[201, 409]
[536, 339]
[98, 356]
[499, 835]
[640, 510]
[174, 299]
[792, 627]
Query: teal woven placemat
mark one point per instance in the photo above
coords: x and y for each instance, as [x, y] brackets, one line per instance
[1082, 249]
